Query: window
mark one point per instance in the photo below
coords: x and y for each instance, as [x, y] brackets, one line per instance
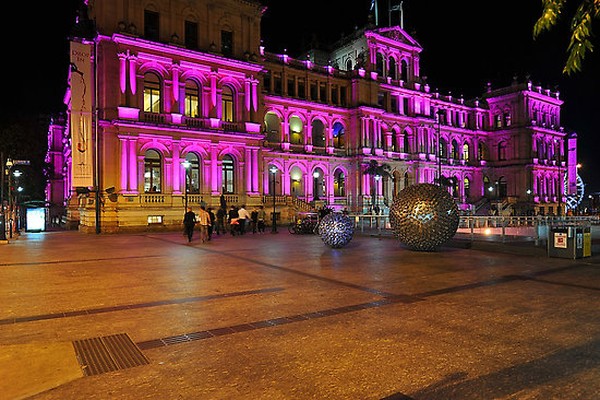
[507, 118]
[465, 152]
[314, 95]
[277, 87]
[482, 153]
[152, 93]
[501, 151]
[227, 43]
[379, 64]
[406, 144]
[192, 99]
[338, 135]
[291, 87]
[152, 172]
[193, 173]
[191, 35]
[467, 186]
[339, 184]
[151, 25]
[348, 65]
[498, 121]
[228, 176]
[393, 72]
[227, 104]
[301, 88]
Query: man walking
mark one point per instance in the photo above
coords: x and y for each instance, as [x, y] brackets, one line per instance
[204, 223]
[189, 221]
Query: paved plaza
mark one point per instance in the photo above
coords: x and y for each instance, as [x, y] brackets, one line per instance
[281, 316]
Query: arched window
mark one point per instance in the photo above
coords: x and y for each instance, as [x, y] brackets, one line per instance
[338, 136]
[507, 118]
[443, 150]
[406, 143]
[193, 173]
[192, 99]
[455, 191]
[455, 150]
[404, 70]
[482, 153]
[379, 64]
[228, 175]
[465, 152]
[152, 171]
[393, 71]
[296, 130]
[339, 183]
[467, 187]
[349, 65]
[395, 142]
[227, 105]
[498, 121]
[318, 133]
[152, 93]
[502, 151]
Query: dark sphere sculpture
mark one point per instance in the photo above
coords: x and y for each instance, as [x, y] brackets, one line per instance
[336, 229]
[424, 216]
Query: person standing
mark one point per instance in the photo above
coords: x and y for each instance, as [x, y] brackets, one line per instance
[261, 217]
[244, 217]
[213, 218]
[232, 218]
[204, 223]
[221, 214]
[189, 221]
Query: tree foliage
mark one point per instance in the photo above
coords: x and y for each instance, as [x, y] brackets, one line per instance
[580, 28]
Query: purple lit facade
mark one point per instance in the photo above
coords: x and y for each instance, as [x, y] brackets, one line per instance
[188, 81]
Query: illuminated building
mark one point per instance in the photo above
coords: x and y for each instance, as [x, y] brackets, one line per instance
[150, 88]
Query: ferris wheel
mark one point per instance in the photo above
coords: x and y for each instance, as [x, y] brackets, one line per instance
[573, 200]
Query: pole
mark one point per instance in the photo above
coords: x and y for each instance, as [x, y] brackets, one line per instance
[97, 176]
[187, 177]
[274, 223]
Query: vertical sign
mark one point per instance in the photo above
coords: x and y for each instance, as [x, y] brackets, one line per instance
[81, 84]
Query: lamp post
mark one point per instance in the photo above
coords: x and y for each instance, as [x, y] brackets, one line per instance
[273, 171]
[186, 165]
[316, 185]
[376, 202]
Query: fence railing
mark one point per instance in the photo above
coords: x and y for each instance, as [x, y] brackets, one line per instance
[477, 227]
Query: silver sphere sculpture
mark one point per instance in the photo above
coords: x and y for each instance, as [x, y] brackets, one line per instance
[424, 216]
[336, 229]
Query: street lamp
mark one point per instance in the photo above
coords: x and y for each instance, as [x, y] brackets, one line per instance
[375, 205]
[273, 171]
[186, 165]
[316, 185]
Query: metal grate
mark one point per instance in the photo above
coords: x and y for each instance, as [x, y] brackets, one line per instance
[108, 353]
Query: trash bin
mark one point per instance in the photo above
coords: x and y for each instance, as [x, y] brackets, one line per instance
[569, 241]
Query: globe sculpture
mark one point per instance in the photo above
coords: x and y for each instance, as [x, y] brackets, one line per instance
[336, 229]
[424, 216]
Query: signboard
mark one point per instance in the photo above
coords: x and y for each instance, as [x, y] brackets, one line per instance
[20, 162]
[560, 240]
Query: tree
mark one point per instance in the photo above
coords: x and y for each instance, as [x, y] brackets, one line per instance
[375, 169]
[580, 27]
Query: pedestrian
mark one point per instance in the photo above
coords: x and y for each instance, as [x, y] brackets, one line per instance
[204, 223]
[244, 217]
[261, 217]
[232, 218]
[220, 227]
[254, 219]
[189, 221]
[213, 218]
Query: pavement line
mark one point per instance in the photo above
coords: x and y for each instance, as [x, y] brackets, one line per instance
[101, 310]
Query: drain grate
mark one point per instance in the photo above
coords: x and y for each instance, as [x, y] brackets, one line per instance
[108, 353]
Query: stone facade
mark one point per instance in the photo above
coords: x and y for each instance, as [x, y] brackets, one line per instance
[175, 81]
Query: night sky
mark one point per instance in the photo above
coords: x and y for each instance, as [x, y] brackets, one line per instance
[465, 45]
